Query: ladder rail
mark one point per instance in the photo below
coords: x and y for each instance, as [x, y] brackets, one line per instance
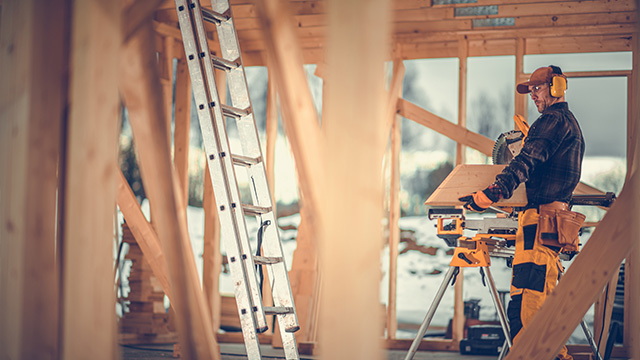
[216, 168]
[239, 91]
[230, 185]
[211, 113]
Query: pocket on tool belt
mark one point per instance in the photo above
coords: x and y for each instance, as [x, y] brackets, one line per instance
[560, 228]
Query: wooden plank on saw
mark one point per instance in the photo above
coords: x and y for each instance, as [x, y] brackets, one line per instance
[466, 179]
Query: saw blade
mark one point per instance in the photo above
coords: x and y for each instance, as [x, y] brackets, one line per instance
[507, 147]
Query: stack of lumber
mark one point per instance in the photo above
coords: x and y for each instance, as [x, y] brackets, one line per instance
[146, 320]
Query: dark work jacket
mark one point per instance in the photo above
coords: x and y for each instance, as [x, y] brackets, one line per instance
[550, 160]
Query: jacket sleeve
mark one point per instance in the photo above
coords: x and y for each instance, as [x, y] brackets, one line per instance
[543, 140]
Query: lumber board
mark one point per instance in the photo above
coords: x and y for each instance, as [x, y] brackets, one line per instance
[211, 255]
[395, 92]
[611, 241]
[298, 111]
[632, 265]
[466, 179]
[33, 97]
[182, 126]
[355, 91]
[92, 142]
[457, 326]
[143, 232]
[141, 92]
[272, 134]
[394, 218]
[445, 127]
[284, 59]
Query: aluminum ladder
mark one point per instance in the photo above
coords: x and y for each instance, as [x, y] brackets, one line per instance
[222, 163]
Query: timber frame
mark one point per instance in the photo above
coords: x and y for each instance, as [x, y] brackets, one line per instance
[56, 272]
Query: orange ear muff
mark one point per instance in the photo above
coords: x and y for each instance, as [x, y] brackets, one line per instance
[558, 86]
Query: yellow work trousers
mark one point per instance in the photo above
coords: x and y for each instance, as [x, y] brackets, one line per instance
[536, 270]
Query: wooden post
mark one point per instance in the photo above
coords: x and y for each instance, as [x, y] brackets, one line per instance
[211, 255]
[520, 100]
[89, 323]
[298, 112]
[458, 305]
[632, 265]
[561, 313]
[394, 201]
[182, 126]
[284, 58]
[141, 91]
[33, 97]
[357, 44]
[272, 134]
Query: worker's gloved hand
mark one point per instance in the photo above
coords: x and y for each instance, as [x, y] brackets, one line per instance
[480, 200]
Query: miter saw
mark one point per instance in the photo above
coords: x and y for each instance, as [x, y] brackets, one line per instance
[510, 143]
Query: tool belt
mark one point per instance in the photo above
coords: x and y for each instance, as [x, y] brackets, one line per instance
[558, 226]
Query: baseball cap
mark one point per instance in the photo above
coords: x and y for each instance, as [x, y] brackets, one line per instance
[540, 76]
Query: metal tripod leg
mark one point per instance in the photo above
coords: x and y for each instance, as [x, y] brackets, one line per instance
[499, 308]
[427, 320]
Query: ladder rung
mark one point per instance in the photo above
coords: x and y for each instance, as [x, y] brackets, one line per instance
[255, 210]
[231, 111]
[245, 160]
[226, 65]
[213, 17]
[267, 260]
[278, 310]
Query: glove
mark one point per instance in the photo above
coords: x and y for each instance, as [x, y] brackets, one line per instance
[480, 200]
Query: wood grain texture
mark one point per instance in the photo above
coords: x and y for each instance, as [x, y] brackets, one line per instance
[466, 179]
[357, 46]
[33, 100]
[89, 322]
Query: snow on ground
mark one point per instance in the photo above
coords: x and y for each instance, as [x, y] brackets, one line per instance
[417, 280]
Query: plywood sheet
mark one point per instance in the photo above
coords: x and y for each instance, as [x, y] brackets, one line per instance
[465, 179]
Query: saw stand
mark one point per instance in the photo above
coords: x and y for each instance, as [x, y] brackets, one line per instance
[452, 274]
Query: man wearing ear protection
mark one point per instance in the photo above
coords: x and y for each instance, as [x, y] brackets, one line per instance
[549, 164]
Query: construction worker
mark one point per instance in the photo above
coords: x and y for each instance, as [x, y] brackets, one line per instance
[549, 164]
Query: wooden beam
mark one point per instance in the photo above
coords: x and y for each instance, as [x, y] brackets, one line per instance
[211, 255]
[395, 92]
[457, 328]
[358, 40]
[88, 291]
[141, 91]
[301, 123]
[632, 265]
[272, 134]
[298, 111]
[591, 269]
[182, 127]
[135, 14]
[445, 127]
[520, 100]
[394, 198]
[144, 233]
[33, 100]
